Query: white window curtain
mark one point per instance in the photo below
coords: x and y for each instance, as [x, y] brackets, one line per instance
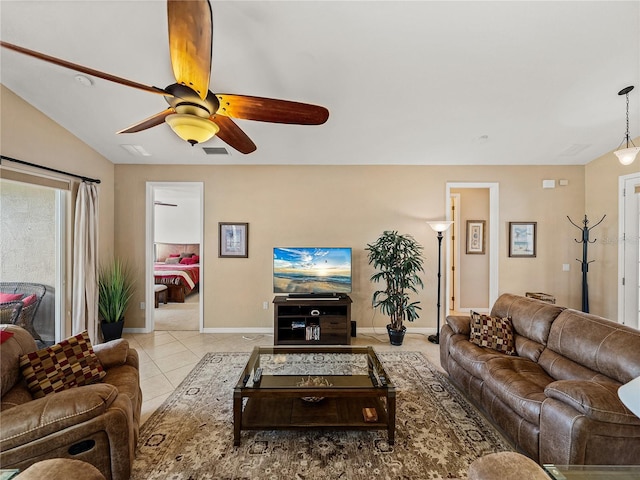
[85, 262]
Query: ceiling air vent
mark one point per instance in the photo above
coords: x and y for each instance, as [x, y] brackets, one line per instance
[215, 150]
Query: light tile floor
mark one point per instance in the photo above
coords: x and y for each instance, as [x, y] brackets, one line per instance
[167, 357]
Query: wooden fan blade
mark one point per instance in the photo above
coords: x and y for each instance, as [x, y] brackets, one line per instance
[152, 121]
[190, 32]
[271, 110]
[82, 69]
[232, 135]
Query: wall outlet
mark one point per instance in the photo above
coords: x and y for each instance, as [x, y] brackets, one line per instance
[265, 305]
[142, 306]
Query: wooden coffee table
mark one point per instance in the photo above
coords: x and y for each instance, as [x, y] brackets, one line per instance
[273, 399]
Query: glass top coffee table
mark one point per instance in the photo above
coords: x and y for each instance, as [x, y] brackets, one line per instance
[593, 472]
[288, 388]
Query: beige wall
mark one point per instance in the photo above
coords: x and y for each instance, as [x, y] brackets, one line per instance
[349, 206]
[602, 193]
[473, 268]
[27, 134]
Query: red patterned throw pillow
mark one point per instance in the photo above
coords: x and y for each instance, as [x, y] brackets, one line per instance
[70, 363]
[493, 332]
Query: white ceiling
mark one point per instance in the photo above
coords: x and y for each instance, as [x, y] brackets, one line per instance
[415, 82]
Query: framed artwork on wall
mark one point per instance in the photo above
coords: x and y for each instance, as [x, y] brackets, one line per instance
[522, 239]
[475, 237]
[233, 240]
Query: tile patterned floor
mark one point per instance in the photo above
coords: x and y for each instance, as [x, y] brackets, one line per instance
[167, 357]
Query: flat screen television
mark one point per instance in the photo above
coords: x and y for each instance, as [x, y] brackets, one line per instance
[316, 270]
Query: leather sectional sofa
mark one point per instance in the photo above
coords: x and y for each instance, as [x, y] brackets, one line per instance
[95, 423]
[557, 397]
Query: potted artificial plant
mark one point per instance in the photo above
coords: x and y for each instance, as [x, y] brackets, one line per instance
[115, 289]
[398, 259]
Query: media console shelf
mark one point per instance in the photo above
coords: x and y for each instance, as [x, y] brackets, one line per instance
[312, 321]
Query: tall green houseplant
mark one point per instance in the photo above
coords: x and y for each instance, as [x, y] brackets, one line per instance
[115, 289]
[398, 259]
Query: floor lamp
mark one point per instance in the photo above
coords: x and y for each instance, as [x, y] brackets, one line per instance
[439, 227]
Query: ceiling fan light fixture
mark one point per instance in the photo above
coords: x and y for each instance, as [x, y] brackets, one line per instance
[191, 128]
[627, 155]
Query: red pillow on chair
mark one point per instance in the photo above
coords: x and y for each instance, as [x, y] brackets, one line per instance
[5, 335]
[29, 300]
[9, 297]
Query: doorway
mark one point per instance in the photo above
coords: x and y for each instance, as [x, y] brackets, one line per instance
[455, 198]
[174, 256]
[629, 251]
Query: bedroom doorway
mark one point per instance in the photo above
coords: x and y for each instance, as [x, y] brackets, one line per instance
[174, 255]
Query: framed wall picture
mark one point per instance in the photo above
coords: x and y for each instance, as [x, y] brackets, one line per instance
[233, 240]
[522, 239]
[475, 237]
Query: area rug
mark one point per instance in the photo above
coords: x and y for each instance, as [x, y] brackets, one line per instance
[190, 437]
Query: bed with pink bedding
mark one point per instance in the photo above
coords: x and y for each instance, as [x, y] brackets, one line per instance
[178, 267]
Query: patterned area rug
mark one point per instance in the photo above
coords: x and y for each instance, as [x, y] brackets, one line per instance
[438, 433]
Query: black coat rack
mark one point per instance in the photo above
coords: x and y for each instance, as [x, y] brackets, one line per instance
[585, 264]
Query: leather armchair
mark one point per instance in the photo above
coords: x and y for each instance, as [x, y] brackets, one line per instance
[95, 423]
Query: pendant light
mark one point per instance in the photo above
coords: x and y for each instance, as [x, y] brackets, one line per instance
[627, 155]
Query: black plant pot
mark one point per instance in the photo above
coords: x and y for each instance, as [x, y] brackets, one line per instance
[396, 337]
[111, 330]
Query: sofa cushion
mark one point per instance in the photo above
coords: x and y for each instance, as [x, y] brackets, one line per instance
[113, 353]
[531, 318]
[48, 415]
[492, 332]
[65, 365]
[459, 324]
[470, 356]
[596, 343]
[519, 383]
[598, 401]
[19, 344]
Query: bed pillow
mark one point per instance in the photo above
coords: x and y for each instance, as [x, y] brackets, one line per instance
[171, 255]
[186, 255]
[172, 260]
[196, 259]
[188, 261]
[70, 363]
[493, 332]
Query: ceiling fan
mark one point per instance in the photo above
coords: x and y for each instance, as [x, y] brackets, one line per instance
[196, 114]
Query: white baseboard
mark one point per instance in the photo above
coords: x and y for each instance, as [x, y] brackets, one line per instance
[383, 330]
[260, 330]
[135, 330]
[267, 331]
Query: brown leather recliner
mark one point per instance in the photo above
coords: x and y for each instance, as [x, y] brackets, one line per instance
[95, 423]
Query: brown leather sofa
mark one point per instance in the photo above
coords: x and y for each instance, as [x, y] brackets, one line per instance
[96, 423]
[557, 398]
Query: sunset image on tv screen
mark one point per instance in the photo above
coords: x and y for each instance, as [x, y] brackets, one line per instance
[312, 270]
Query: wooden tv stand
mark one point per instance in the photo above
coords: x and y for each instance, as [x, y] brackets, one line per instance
[312, 321]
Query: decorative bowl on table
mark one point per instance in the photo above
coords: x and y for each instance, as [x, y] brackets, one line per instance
[313, 382]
